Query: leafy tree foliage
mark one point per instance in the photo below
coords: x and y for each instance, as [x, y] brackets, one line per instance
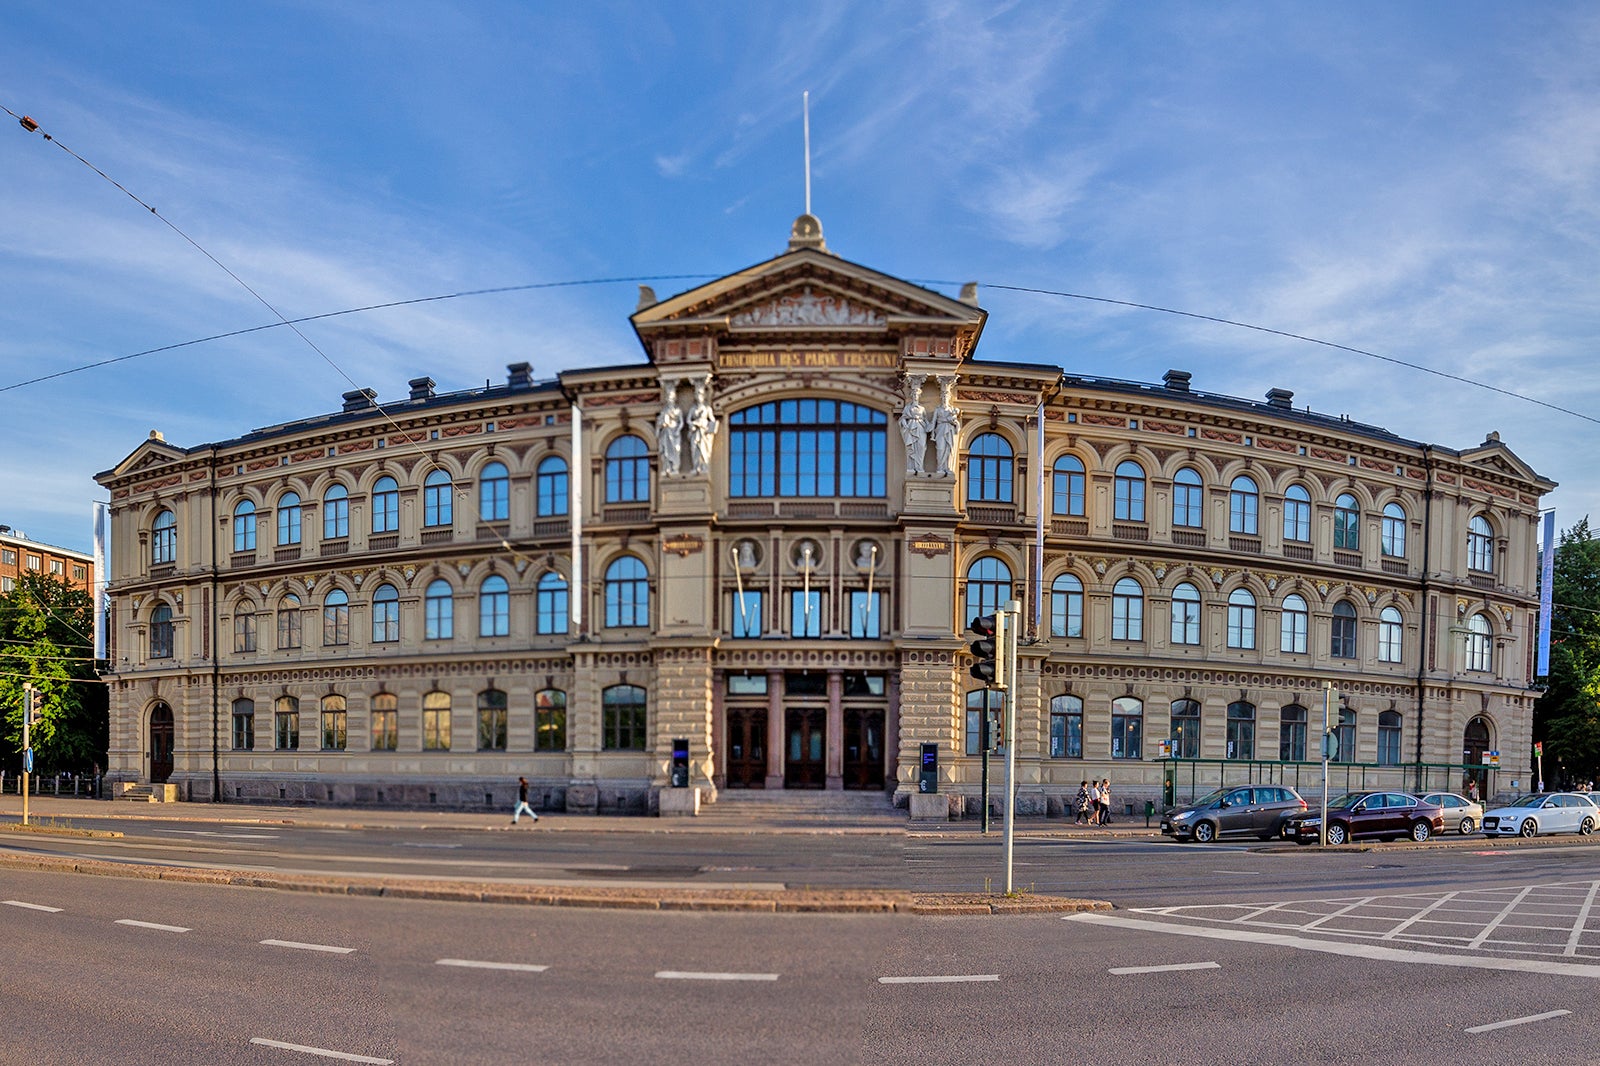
[1567, 716]
[47, 639]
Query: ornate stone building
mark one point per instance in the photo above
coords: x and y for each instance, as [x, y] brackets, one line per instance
[767, 539]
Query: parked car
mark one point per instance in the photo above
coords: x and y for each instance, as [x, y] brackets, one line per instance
[1385, 815]
[1460, 813]
[1258, 810]
[1544, 812]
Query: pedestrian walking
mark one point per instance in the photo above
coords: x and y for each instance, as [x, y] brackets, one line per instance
[522, 802]
[1105, 802]
[1095, 809]
[1080, 805]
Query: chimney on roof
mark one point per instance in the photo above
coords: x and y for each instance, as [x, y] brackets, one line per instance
[1176, 380]
[519, 375]
[1280, 398]
[422, 388]
[356, 399]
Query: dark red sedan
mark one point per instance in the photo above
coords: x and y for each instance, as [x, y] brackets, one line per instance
[1356, 815]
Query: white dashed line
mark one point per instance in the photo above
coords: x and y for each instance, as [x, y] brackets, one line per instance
[1119, 970]
[690, 975]
[306, 947]
[31, 906]
[477, 964]
[943, 979]
[1518, 1021]
[153, 925]
[342, 1056]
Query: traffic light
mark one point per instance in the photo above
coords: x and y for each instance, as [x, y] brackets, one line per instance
[35, 706]
[989, 669]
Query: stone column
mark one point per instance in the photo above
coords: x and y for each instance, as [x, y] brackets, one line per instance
[683, 699]
[719, 729]
[931, 711]
[775, 731]
[835, 750]
[891, 732]
[583, 732]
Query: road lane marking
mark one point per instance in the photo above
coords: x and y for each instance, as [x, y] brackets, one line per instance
[1340, 913]
[478, 964]
[219, 836]
[342, 1056]
[31, 906]
[1582, 920]
[1340, 947]
[1417, 917]
[690, 975]
[1519, 1021]
[1120, 970]
[306, 947]
[154, 925]
[1505, 912]
[940, 979]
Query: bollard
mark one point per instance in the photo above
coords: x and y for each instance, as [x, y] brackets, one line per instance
[1149, 812]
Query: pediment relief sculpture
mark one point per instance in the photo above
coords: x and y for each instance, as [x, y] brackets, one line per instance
[806, 308]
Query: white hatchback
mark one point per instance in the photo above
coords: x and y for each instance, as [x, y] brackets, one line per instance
[1544, 812]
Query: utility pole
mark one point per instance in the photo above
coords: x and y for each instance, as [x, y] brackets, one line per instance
[1010, 622]
[1327, 701]
[27, 744]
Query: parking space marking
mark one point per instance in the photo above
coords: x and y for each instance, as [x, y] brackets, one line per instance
[31, 906]
[1519, 1021]
[939, 979]
[1122, 970]
[327, 1053]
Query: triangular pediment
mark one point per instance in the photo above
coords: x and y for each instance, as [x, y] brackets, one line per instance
[1494, 456]
[152, 454]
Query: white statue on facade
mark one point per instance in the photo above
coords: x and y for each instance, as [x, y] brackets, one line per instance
[946, 427]
[669, 430]
[702, 428]
[746, 555]
[914, 426]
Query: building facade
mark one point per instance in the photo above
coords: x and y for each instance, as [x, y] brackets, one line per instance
[19, 555]
[764, 544]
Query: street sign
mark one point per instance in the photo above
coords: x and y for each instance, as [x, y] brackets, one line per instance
[1491, 758]
[27, 761]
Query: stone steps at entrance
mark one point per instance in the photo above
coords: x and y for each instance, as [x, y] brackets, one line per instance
[148, 793]
[802, 804]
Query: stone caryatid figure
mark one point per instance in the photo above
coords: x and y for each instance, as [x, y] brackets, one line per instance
[702, 428]
[669, 430]
[914, 426]
[946, 427]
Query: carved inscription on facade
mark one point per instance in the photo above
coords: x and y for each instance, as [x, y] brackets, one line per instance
[820, 360]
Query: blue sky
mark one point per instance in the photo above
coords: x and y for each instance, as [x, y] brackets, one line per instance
[1419, 180]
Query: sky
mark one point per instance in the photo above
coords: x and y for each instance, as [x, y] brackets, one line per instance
[1419, 181]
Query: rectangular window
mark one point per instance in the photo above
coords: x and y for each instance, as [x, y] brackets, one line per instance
[56, 567]
[550, 720]
[8, 556]
[805, 613]
[492, 721]
[1126, 736]
[747, 614]
[436, 729]
[385, 730]
[33, 562]
[288, 628]
[79, 573]
[866, 614]
[244, 632]
[623, 719]
[244, 729]
[286, 730]
[335, 730]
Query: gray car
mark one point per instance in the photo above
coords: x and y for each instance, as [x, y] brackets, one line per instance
[1255, 810]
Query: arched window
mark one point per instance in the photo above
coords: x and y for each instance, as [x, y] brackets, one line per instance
[624, 721]
[550, 488]
[289, 622]
[1188, 499]
[385, 721]
[1241, 619]
[385, 615]
[1297, 514]
[164, 539]
[492, 720]
[1127, 610]
[996, 700]
[1347, 523]
[494, 493]
[988, 586]
[439, 611]
[386, 506]
[1342, 631]
[1296, 623]
[1244, 503]
[244, 526]
[1066, 496]
[1066, 727]
[989, 469]
[1292, 733]
[1241, 730]
[336, 513]
[244, 724]
[627, 470]
[1185, 614]
[1185, 729]
[336, 618]
[550, 720]
[1129, 497]
[627, 593]
[1392, 540]
[1480, 545]
[551, 616]
[807, 447]
[437, 493]
[161, 632]
[244, 627]
[288, 519]
[335, 723]
[1480, 644]
[494, 607]
[1066, 607]
[286, 724]
[436, 721]
[1391, 628]
[1389, 738]
[1127, 728]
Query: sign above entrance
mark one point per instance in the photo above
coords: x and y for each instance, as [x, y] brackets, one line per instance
[684, 544]
[814, 360]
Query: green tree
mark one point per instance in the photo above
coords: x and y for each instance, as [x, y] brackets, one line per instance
[47, 639]
[1567, 715]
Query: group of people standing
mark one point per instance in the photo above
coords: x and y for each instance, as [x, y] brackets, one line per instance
[1093, 803]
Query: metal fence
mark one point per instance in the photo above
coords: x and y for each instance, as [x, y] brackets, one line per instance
[1188, 779]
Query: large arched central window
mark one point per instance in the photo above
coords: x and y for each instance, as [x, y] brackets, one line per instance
[807, 448]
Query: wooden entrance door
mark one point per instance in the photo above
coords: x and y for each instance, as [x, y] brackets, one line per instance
[807, 734]
[161, 736]
[863, 748]
[747, 748]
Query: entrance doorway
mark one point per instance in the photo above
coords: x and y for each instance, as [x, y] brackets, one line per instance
[747, 747]
[863, 748]
[1474, 743]
[806, 730]
[161, 737]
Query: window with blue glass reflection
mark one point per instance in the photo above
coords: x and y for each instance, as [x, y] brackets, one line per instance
[807, 448]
